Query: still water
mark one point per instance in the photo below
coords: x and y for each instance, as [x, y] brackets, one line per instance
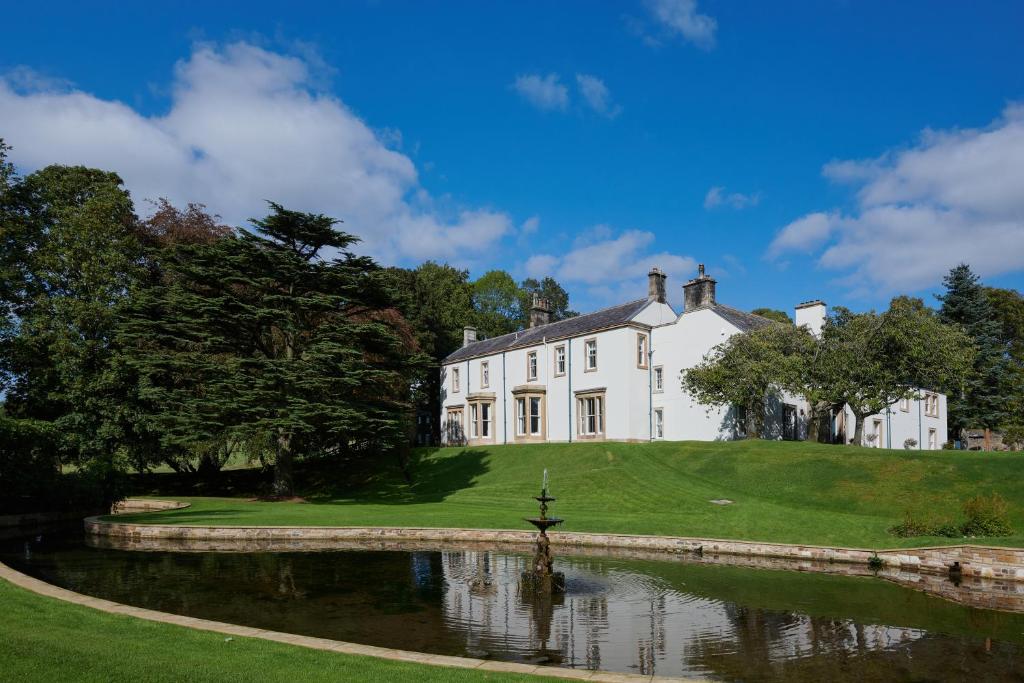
[674, 617]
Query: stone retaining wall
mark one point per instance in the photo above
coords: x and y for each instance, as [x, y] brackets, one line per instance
[975, 561]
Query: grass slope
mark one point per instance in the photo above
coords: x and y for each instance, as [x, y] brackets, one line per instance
[783, 491]
[42, 639]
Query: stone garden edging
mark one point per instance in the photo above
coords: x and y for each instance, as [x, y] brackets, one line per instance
[1005, 564]
[49, 590]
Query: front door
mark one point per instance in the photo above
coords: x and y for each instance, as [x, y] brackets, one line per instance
[789, 422]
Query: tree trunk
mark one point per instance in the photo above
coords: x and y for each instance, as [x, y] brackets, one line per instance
[813, 420]
[755, 419]
[858, 430]
[283, 485]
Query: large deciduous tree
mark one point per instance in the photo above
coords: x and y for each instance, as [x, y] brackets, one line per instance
[70, 255]
[437, 300]
[267, 335]
[549, 290]
[981, 400]
[869, 361]
[747, 368]
[498, 304]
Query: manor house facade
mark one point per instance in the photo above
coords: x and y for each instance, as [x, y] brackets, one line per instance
[614, 374]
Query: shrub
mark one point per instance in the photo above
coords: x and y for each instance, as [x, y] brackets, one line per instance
[986, 516]
[917, 526]
[1013, 437]
[910, 443]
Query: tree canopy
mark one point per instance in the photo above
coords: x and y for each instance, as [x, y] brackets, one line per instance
[260, 336]
[867, 361]
[773, 314]
[981, 400]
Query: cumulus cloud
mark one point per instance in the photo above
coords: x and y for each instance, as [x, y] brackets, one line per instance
[681, 18]
[244, 125]
[610, 268]
[597, 96]
[717, 196]
[955, 196]
[543, 92]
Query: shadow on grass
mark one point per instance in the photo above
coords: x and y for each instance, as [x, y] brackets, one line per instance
[434, 473]
[176, 516]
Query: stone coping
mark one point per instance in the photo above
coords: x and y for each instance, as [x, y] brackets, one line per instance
[49, 590]
[973, 561]
[130, 505]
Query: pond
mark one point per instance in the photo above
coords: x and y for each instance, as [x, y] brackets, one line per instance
[675, 616]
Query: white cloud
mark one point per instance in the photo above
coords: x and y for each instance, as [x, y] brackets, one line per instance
[611, 269]
[541, 265]
[804, 234]
[595, 93]
[717, 196]
[680, 17]
[543, 92]
[244, 125]
[530, 225]
[956, 196]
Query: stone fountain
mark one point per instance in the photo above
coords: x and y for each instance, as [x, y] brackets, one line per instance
[542, 578]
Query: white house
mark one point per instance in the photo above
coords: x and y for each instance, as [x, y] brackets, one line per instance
[614, 375]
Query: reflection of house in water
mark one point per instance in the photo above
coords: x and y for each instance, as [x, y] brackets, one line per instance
[629, 622]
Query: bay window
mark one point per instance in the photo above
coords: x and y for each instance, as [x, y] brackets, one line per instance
[590, 413]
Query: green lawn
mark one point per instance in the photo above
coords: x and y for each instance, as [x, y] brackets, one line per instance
[43, 639]
[783, 491]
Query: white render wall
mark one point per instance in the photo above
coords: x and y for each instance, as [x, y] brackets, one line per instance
[682, 345]
[676, 343]
[627, 388]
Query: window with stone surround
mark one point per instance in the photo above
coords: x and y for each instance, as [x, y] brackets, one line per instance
[559, 360]
[590, 355]
[481, 420]
[531, 366]
[529, 415]
[590, 411]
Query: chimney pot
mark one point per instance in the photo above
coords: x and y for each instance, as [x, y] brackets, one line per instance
[656, 285]
[540, 312]
[699, 292]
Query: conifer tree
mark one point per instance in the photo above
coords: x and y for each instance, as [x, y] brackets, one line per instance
[980, 401]
[261, 335]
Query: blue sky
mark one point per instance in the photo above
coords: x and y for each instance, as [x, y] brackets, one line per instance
[836, 150]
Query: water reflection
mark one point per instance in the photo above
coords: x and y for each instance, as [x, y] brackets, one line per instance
[639, 616]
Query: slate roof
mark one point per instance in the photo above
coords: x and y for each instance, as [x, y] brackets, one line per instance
[744, 321]
[562, 329]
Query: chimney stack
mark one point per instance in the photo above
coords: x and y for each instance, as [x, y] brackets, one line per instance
[656, 285]
[468, 335]
[812, 314]
[699, 292]
[540, 312]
